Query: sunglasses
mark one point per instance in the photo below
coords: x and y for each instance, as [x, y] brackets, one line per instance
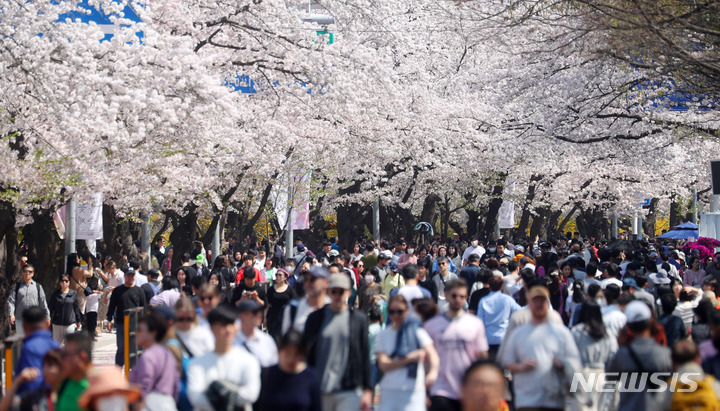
[454, 296]
[395, 312]
[185, 319]
[442, 263]
[64, 281]
[336, 291]
[28, 271]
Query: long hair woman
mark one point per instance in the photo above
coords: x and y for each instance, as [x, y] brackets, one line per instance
[597, 347]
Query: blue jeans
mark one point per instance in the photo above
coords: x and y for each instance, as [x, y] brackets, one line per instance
[120, 338]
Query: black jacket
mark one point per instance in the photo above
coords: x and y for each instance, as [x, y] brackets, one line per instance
[357, 371]
[64, 310]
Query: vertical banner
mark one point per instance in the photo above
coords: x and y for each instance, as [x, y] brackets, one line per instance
[506, 215]
[89, 219]
[299, 193]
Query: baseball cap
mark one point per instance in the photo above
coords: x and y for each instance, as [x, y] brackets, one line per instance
[300, 247]
[339, 281]
[333, 253]
[167, 312]
[318, 272]
[637, 311]
[538, 291]
[630, 282]
[248, 305]
[386, 255]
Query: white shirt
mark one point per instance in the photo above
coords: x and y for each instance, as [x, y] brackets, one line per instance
[541, 343]
[473, 250]
[140, 279]
[397, 379]
[199, 340]
[236, 366]
[92, 302]
[614, 319]
[116, 278]
[261, 345]
[612, 280]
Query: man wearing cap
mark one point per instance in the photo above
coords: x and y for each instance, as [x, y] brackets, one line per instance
[297, 312]
[382, 262]
[642, 356]
[337, 344]
[535, 352]
[324, 256]
[228, 377]
[256, 342]
[123, 298]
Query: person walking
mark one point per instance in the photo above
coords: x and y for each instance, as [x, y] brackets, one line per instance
[278, 297]
[26, 293]
[64, 310]
[156, 371]
[494, 311]
[339, 350]
[226, 377]
[402, 351]
[642, 356]
[540, 354]
[596, 347]
[291, 384]
[459, 339]
[123, 298]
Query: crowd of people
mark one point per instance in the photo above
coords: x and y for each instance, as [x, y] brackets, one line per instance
[449, 325]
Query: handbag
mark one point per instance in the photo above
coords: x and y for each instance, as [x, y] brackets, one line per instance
[220, 393]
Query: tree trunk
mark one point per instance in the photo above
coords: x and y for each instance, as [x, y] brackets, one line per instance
[491, 218]
[650, 219]
[353, 221]
[8, 260]
[44, 249]
[184, 235]
[676, 212]
[552, 224]
[592, 223]
[538, 222]
[522, 229]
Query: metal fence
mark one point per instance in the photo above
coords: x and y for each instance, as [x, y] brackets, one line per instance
[132, 351]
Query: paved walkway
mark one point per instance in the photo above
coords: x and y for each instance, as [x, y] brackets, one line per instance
[104, 350]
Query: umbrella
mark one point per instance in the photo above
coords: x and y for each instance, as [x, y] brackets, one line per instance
[682, 231]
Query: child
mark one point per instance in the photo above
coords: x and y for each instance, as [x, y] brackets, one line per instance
[375, 318]
[91, 309]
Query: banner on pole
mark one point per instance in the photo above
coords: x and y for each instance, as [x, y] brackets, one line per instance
[89, 219]
[299, 187]
[506, 214]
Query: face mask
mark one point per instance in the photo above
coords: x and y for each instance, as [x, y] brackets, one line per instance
[289, 268]
[491, 249]
[474, 243]
[112, 403]
[601, 302]
[411, 250]
[317, 265]
[369, 279]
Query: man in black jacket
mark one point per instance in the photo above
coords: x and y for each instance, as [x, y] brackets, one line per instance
[336, 338]
[123, 298]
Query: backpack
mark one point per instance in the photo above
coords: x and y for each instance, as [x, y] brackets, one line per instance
[703, 398]
[17, 289]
